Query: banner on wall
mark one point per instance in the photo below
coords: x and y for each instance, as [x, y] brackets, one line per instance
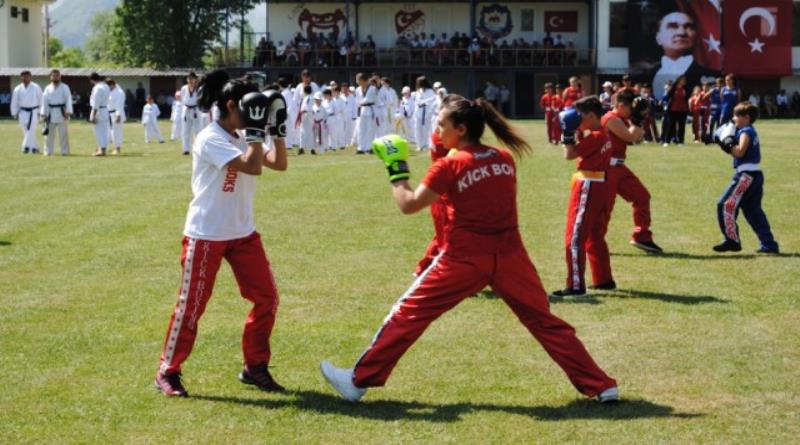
[409, 22]
[758, 37]
[667, 39]
[561, 21]
[495, 21]
[329, 22]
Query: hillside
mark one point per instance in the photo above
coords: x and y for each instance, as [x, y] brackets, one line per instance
[72, 17]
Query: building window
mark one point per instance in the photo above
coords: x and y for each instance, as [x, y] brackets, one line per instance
[617, 25]
[527, 20]
[25, 15]
[795, 23]
[14, 12]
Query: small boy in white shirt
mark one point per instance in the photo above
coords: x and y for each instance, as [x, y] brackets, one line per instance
[319, 115]
[150, 114]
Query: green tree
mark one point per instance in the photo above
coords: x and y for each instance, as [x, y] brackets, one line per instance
[65, 57]
[172, 33]
[101, 47]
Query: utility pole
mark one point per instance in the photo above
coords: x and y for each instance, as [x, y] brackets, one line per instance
[47, 25]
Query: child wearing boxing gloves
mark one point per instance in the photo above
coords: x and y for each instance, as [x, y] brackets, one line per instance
[482, 246]
[227, 157]
[588, 202]
[740, 140]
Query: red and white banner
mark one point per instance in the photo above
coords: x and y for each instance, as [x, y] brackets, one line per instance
[758, 37]
[561, 21]
[708, 23]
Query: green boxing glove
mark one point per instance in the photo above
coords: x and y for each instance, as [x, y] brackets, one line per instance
[393, 151]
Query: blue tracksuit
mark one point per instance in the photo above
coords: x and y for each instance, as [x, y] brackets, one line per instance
[716, 102]
[745, 192]
[730, 97]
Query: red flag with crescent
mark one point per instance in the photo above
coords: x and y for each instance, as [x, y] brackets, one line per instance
[758, 37]
[561, 21]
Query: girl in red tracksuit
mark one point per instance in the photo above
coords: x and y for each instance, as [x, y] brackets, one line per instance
[548, 103]
[438, 212]
[482, 246]
[220, 225]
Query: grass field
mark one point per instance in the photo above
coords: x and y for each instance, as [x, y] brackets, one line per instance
[706, 347]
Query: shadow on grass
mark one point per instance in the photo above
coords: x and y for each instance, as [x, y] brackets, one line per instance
[665, 297]
[487, 294]
[396, 410]
[5, 243]
[717, 256]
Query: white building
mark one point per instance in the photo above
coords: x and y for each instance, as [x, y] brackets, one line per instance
[22, 33]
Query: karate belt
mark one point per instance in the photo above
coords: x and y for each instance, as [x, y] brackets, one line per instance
[589, 175]
[616, 161]
[423, 112]
[749, 167]
[318, 130]
[110, 120]
[363, 105]
[30, 111]
[192, 107]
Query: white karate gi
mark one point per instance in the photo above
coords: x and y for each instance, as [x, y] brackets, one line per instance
[405, 116]
[331, 127]
[56, 103]
[350, 117]
[423, 106]
[391, 103]
[306, 124]
[176, 116]
[116, 113]
[192, 118]
[319, 118]
[366, 125]
[292, 135]
[150, 114]
[99, 114]
[25, 104]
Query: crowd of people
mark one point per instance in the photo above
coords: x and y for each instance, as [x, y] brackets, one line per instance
[319, 49]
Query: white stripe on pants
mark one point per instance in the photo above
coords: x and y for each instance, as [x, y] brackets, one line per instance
[63, 138]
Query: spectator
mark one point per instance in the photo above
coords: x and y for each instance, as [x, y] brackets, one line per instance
[5, 103]
[141, 96]
[796, 104]
[490, 93]
[755, 99]
[770, 109]
[677, 108]
[505, 99]
[782, 102]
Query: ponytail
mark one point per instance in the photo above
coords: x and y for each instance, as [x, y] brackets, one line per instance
[476, 115]
[217, 88]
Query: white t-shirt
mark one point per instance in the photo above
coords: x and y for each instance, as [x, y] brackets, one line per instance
[222, 207]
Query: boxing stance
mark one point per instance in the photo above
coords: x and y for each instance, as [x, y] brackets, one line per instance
[482, 246]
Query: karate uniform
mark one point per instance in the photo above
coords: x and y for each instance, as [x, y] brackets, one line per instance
[405, 118]
[150, 114]
[319, 126]
[25, 104]
[305, 122]
[367, 123]
[292, 139]
[423, 102]
[116, 110]
[351, 118]
[56, 103]
[482, 247]
[176, 116]
[192, 118]
[99, 103]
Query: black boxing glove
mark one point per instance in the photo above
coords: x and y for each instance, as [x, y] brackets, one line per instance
[253, 108]
[276, 113]
[640, 108]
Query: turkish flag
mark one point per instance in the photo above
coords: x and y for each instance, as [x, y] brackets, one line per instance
[561, 21]
[708, 20]
[758, 37]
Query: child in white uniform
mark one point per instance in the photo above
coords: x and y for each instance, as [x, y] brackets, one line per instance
[176, 116]
[423, 102]
[305, 121]
[366, 96]
[150, 114]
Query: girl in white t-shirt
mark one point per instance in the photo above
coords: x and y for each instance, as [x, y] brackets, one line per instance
[220, 225]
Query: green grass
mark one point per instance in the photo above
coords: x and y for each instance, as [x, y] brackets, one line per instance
[705, 347]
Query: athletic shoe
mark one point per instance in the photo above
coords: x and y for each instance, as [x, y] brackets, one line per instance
[560, 294]
[665, 144]
[728, 246]
[647, 246]
[608, 396]
[260, 377]
[359, 152]
[766, 250]
[342, 381]
[186, 153]
[301, 152]
[610, 285]
[26, 150]
[170, 385]
[313, 152]
[115, 152]
[99, 152]
[35, 150]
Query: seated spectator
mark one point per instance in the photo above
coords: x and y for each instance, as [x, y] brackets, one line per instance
[755, 99]
[770, 109]
[280, 52]
[795, 104]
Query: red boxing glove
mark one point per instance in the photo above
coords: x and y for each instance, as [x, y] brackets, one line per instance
[439, 150]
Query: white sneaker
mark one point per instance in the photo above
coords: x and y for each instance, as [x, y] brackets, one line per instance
[342, 380]
[665, 144]
[609, 395]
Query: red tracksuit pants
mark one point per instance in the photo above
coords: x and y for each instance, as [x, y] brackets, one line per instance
[440, 220]
[588, 204]
[201, 260]
[553, 126]
[451, 279]
[621, 181]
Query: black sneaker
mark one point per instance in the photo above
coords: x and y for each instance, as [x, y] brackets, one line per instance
[767, 250]
[647, 246]
[170, 385]
[301, 152]
[611, 285]
[26, 150]
[359, 152]
[186, 153]
[260, 377]
[314, 152]
[560, 294]
[728, 246]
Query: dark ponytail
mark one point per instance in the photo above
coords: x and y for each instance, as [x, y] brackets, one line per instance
[217, 88]
[476, 115]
